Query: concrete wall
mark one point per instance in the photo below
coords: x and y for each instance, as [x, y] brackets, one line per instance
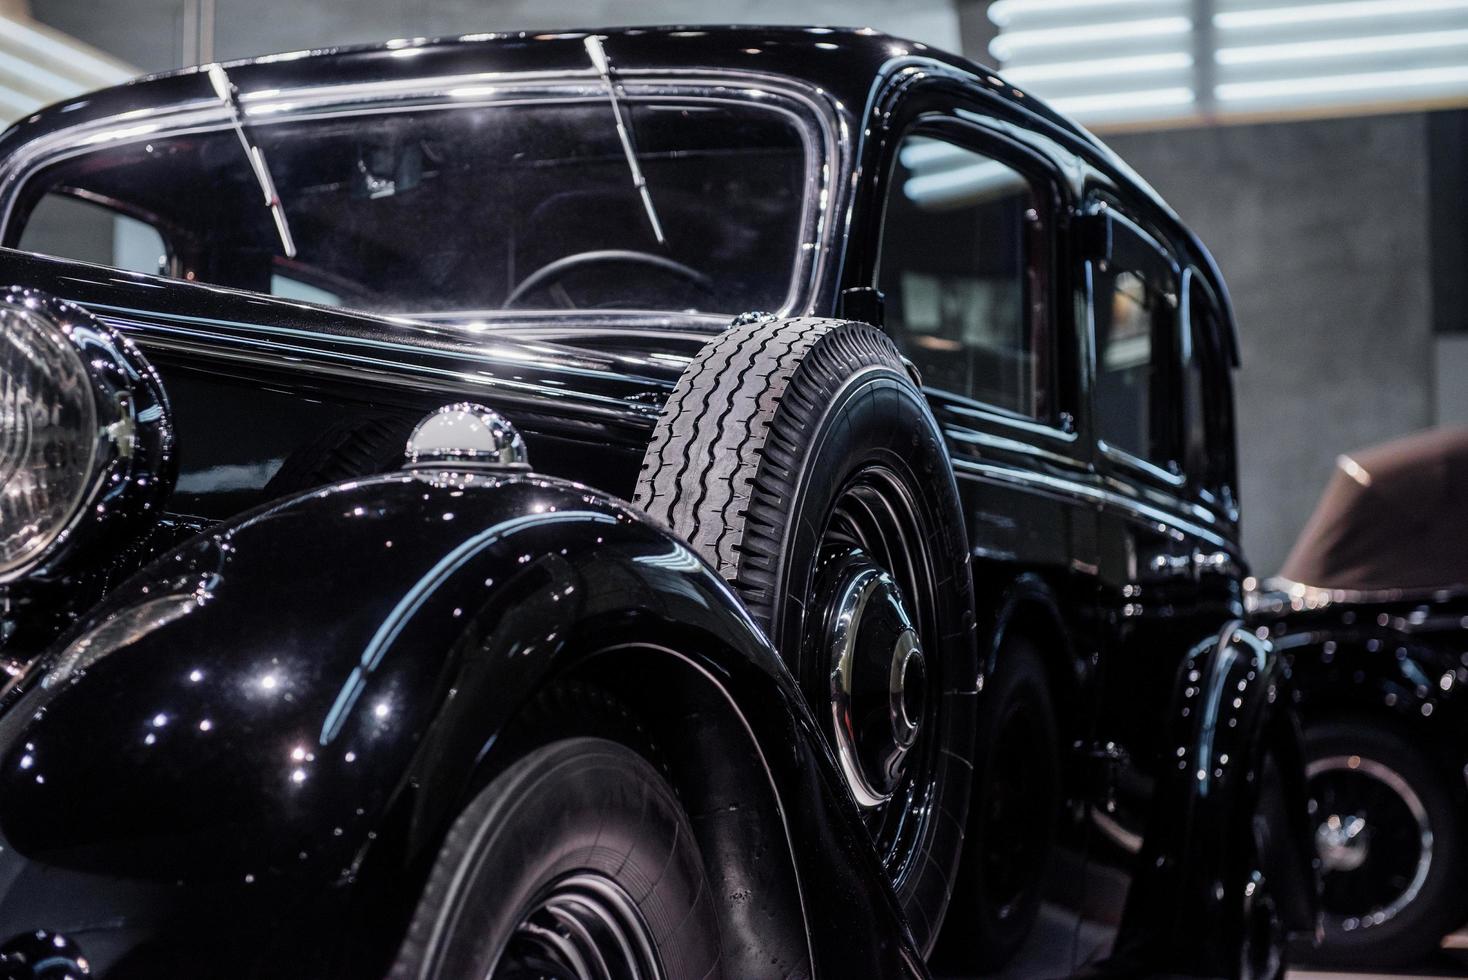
[1320, 228]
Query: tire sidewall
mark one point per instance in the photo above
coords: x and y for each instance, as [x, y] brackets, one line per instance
[850, 435]
[1017, 683]
[1438, 907]
[578, 804]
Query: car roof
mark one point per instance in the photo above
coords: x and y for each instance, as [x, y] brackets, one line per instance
[843, 62]
[846, 63]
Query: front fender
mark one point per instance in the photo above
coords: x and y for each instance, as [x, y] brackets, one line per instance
[222, 768]
[1232, 730]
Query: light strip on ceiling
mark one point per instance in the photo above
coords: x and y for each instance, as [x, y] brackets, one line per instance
[41, 65]
[1099, 67]
[57, 51]
[1008, 43]
[1340, 47]
[1003, 12]
[1364, 82]
[1331, 12]
[1113, 102]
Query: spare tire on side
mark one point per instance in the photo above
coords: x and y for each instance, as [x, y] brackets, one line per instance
[801, 460]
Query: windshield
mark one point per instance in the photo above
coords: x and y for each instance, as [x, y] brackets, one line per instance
[470, 208]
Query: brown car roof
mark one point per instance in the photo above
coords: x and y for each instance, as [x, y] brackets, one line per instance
[1394, 516]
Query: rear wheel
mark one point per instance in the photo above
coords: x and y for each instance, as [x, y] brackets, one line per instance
[800, 459]
[1390, 839]
[1012, 822]
[576, 863]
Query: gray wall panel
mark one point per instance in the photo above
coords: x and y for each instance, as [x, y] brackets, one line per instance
[1320, 228]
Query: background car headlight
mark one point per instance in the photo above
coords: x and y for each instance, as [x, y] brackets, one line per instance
[86, 443]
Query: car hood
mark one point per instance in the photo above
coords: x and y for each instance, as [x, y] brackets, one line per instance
[270, 396]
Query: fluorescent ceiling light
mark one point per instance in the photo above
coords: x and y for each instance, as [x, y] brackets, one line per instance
[1099, 67]
[974, 183]
[1340, 47]
[36, 77]
[1367, 82]
[1007, 43]
[1002, 12]
[55, 51]
[1351, 9]
[1154, 98]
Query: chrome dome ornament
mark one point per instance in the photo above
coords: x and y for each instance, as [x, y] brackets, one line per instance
[469, 436]
[86, 437]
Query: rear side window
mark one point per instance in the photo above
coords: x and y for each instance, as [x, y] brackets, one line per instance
[965, 267]
[1136, 317]
[1207, 394]
[80, 229]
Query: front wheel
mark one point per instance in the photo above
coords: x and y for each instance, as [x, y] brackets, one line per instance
[800, 459]
[1391, 844]
[576, 863]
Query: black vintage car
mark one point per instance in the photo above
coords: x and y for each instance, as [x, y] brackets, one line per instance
[1371, 608]
[817, 506]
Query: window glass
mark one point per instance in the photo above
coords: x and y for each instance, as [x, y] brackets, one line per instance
[965, 268]
[1136, 317]
[444, 210]
[79, 229]
[1207, 401]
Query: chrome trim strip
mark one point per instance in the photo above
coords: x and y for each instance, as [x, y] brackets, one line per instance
[1093, 495]
[417, 377]
[993, 441]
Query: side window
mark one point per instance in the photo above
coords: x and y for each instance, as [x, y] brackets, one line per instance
[74, 228]
[965, 266]
[1207, 394]
[1135, 310]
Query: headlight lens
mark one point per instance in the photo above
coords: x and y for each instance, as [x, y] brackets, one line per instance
[48, 435]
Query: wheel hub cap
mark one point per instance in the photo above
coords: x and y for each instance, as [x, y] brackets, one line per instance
[878, 683]
[1343, 843]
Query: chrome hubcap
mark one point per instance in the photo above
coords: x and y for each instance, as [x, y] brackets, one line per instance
[1375, 840]
[1343, 843]
[586, 927]
[878, 683]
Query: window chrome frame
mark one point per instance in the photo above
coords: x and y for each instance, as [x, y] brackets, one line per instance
[818, 119]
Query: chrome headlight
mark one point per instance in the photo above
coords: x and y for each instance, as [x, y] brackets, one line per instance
[86, 442]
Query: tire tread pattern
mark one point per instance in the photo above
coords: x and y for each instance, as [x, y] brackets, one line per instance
[725, 458]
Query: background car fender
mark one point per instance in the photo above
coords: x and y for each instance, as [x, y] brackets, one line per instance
[259, 740]
[1232, 711]
[1401, 663]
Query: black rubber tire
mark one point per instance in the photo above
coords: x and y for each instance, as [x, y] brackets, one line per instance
[1416, 931]
[759, 438]
[573, 805]
[980, 937]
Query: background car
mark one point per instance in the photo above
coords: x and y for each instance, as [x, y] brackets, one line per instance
[1372, 611]
[410, 670]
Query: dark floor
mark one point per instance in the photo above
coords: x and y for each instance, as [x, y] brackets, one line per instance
[1055, 945]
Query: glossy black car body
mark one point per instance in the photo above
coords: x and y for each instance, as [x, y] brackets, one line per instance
[248, 782]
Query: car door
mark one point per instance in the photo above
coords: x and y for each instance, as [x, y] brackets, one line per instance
[1209, 451]
[1146, 594]
[967, 266]
[980, 293]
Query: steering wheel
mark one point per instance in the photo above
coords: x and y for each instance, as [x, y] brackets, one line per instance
[554, 272]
